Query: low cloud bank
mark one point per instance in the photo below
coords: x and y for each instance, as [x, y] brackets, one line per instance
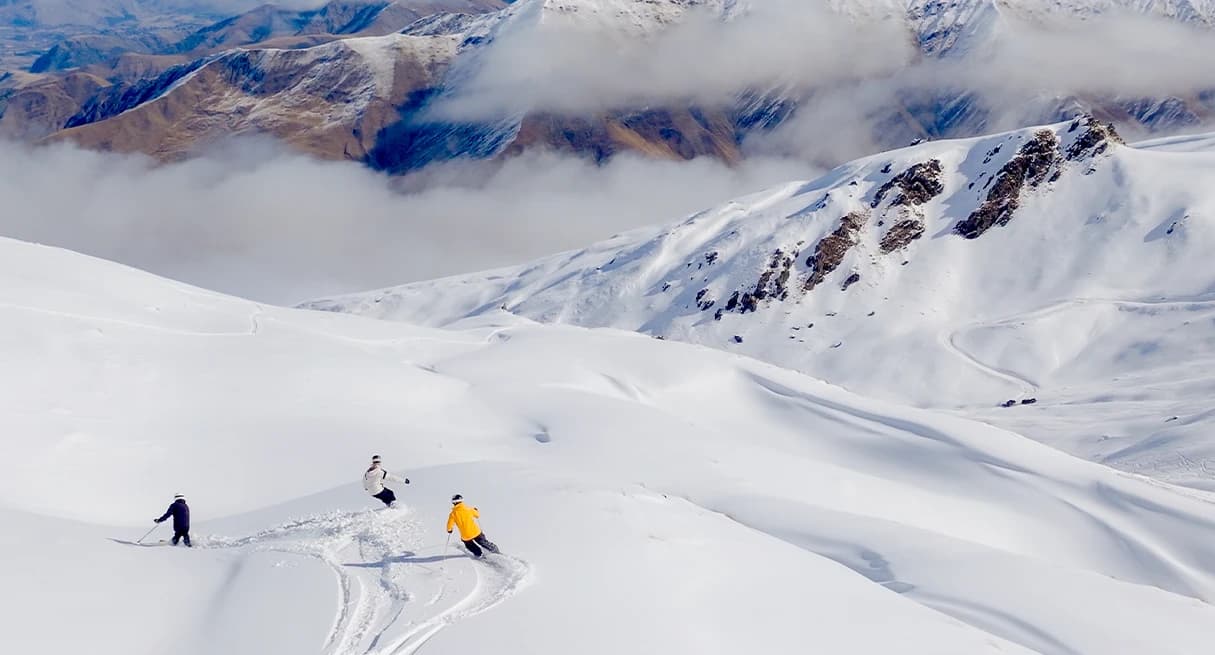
[254, 220]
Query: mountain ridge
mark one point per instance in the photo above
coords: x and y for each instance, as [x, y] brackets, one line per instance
[870, 268]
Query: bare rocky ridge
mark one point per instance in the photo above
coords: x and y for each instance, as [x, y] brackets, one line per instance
[338, 111]
[33, 106]
[1036, 160]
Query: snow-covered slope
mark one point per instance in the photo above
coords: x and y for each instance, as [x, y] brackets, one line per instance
[955, 27]
[652, 496]
[1085, 283]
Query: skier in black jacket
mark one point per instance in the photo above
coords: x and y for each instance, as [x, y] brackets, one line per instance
[180, 512]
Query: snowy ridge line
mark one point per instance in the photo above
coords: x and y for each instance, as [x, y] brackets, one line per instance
[371, 607]
[254, 324]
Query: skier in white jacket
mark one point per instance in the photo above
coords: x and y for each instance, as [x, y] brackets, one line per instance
[374, 479]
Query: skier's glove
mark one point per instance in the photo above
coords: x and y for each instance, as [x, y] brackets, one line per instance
[156, 520]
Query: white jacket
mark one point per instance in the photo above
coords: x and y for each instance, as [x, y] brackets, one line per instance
[374, 478]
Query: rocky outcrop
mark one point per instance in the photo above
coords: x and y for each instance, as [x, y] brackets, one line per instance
[1030, 167]
[917, 185]
[914, 188]
[902, 234]
[830, 251]
[1094, 140]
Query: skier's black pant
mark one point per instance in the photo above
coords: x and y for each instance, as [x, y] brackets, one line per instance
[475, 544]
[387, 496]
[181, 534]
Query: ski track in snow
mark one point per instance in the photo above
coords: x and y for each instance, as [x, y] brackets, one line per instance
[950, 340]
[377, 560]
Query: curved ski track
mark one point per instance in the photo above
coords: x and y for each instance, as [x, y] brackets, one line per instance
[393, 595]
[950, 340]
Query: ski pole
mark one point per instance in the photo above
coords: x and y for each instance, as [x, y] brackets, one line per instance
[145, 536]
[446, 549]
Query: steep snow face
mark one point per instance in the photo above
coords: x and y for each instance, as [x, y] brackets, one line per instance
[1051, 262]
[952, 27]
[677, 496]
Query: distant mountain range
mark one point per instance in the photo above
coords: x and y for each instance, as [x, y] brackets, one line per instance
[371, 97]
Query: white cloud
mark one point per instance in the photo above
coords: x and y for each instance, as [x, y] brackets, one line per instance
[852, 71]
[253, 220]
[567, 63]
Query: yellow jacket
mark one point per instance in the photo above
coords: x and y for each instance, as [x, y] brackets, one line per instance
[465, 518]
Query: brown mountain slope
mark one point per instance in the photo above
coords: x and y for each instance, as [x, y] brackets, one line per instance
[331, 100]
[33, 106]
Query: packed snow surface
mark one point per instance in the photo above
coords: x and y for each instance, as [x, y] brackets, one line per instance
[649, 496]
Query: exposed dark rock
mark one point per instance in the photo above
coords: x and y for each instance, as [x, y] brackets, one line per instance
[903, 233]
[738, 339]
[732, 303]
[917, 185]
[852, 279]
[830, 251]
[1032, 165]
[992, 153]
[774, 281]
[1008, 403]
[1029, 401]
[1094, 141]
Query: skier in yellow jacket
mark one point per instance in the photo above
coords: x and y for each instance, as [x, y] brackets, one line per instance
[465, 518]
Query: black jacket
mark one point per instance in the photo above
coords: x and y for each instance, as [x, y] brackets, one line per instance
[180, 512]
